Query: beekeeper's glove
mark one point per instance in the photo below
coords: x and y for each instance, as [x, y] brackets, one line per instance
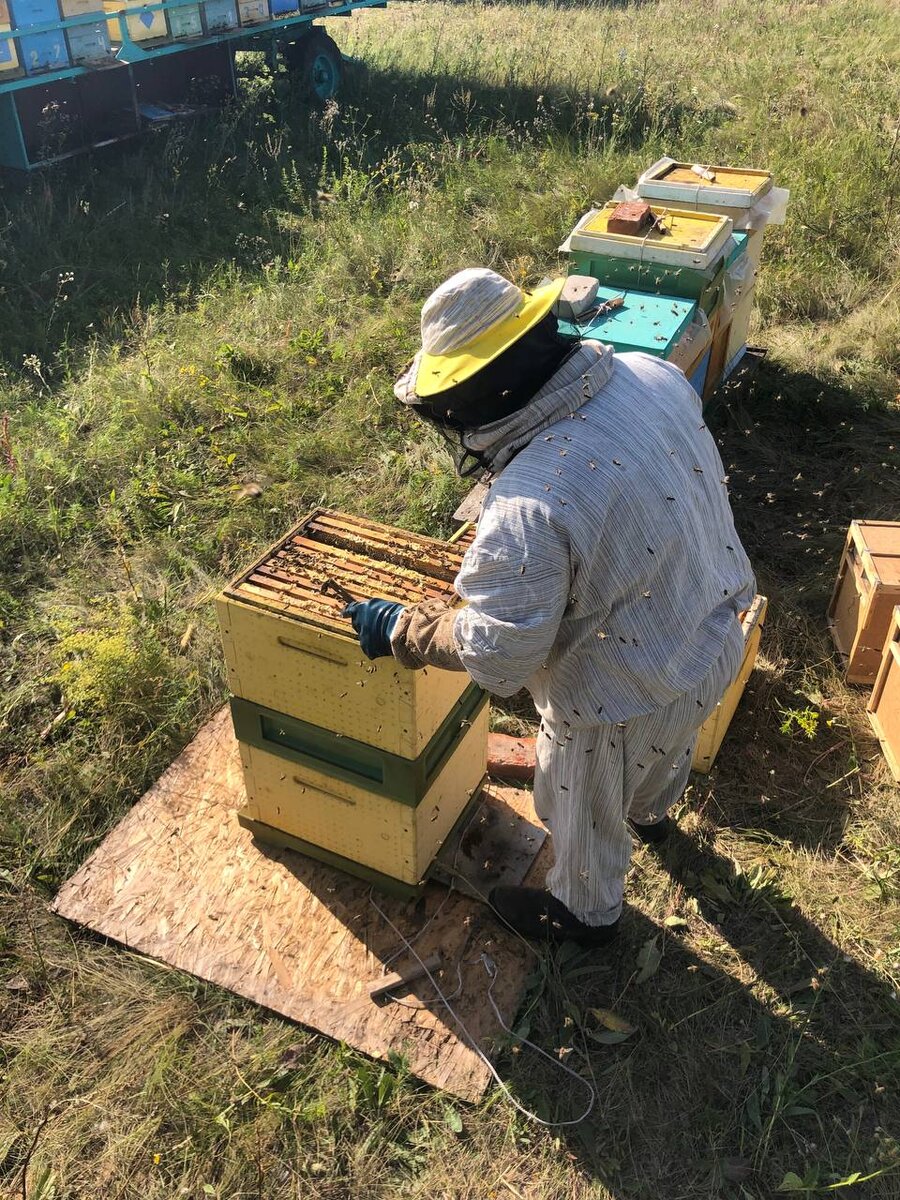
[373, 622]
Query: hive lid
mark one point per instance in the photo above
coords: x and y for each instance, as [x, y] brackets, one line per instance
[364, 557]
[681, 239]
[644, 322]
[732, 187]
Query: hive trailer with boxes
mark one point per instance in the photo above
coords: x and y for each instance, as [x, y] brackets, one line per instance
[78, 74]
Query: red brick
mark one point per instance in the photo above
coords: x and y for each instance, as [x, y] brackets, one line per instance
[511, 757]
[632, 216]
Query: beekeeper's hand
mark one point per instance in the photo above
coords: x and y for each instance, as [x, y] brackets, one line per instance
[373, 622]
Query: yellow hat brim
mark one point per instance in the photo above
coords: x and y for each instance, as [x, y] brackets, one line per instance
[438, 372]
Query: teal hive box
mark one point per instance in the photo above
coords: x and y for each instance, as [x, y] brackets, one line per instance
[646, 322]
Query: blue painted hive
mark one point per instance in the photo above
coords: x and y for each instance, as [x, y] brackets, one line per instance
[644, 322]
[39, 51]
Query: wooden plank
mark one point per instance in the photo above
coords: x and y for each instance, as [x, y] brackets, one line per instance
[179, 880]
[470, 507]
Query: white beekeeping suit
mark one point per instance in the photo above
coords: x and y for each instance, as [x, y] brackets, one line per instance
[606, 577]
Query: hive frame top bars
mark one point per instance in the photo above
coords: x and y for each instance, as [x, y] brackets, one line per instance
[363, 557]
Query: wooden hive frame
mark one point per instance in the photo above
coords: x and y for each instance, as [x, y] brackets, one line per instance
[883, 709]
[865, 592]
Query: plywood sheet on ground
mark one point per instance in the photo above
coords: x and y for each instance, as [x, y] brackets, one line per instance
[178, 879]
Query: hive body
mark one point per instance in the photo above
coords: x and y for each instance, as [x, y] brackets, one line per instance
[733, 189]
[693, 240]
[359, 820]
[652, 324]
[360, 759]
[884, 706]
[867, 588]
[9, 57]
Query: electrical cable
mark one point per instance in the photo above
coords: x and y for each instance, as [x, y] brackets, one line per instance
[493, 974]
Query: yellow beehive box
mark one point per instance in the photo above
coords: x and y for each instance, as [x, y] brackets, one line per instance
[288, 647]
[884, 705]
[331, 817]
[867, 588]
[143, 25]
[714, 728]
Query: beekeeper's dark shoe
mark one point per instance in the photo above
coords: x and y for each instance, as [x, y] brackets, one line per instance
[652, 835]
[536, 914]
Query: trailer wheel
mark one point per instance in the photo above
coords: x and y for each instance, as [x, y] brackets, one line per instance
[316, 64]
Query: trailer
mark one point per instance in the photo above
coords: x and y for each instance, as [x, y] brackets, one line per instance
[79, 74]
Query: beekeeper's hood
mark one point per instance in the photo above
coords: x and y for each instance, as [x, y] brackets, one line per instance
[488, 347]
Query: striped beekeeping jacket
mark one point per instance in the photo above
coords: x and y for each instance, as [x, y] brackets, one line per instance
[606, 575]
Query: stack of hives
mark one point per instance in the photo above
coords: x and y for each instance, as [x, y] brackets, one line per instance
[365, 765]
[683, 279]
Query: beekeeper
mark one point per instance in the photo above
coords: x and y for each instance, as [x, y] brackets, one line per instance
[606, 576]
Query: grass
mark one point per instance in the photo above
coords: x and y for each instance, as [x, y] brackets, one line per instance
[198, 339]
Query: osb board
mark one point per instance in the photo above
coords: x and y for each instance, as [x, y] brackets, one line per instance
[179, 880]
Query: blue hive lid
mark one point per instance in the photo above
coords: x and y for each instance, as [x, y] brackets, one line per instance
[644, 322]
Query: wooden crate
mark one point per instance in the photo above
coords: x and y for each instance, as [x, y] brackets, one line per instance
[395, 838]
[884, 706]
[714, 728]
[867, 588]
[288, 648]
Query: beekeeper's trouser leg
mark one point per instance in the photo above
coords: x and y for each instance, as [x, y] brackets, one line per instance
[589, 782]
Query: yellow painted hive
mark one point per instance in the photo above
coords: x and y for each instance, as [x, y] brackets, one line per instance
[355, 822]
[288, 647]
[142, 23]
[713, 730]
